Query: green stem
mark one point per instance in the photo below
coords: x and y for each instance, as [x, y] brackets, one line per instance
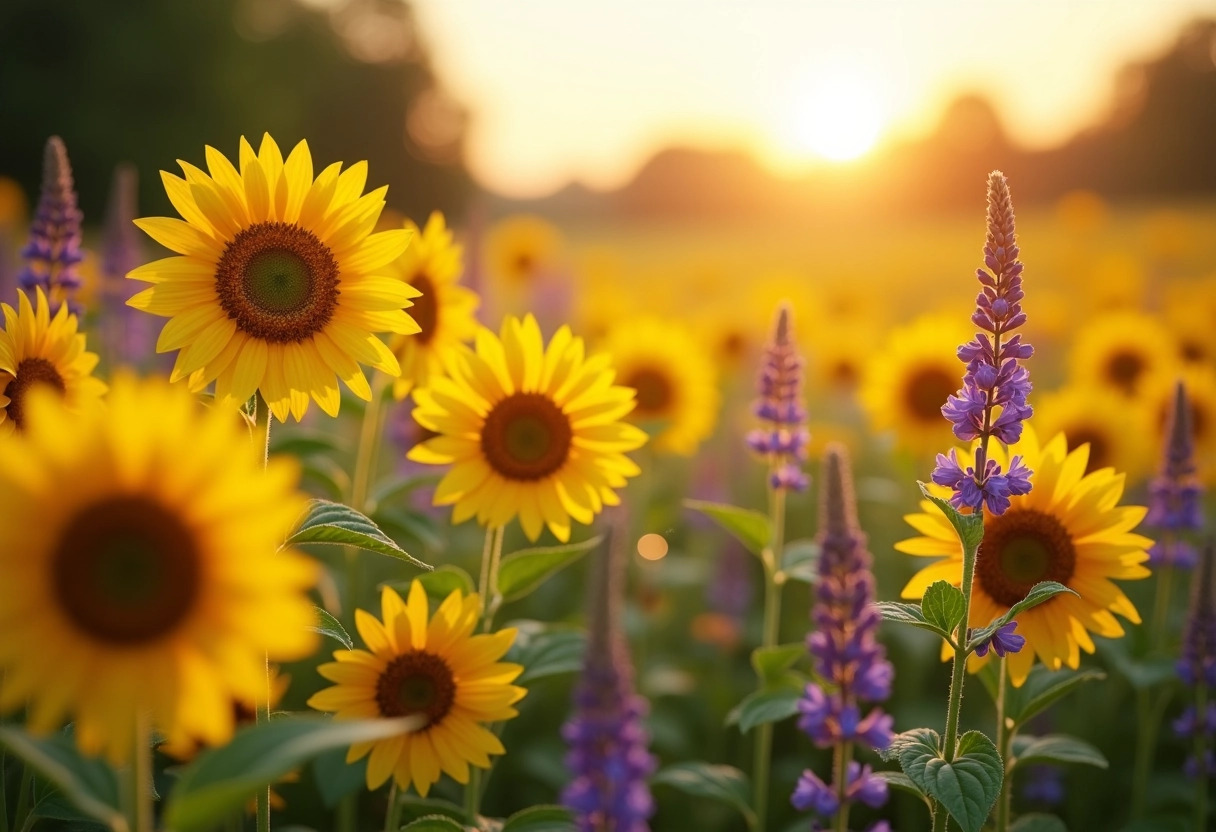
[844, 753]
[262, 711]
[3, 796]
[472, 797]
[392, 818]
[1149, 713]
[360, 484]
[138, 786]
[1004, 744]
[348, 812]
[492, 598]
[1161, 604]
[1201, 751]
[771, 559]
[21, 815]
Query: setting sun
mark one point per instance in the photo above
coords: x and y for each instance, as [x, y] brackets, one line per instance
[839, 117]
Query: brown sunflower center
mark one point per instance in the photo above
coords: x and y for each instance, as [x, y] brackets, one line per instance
[524, 264]
[655, 391]
[1099, 446]
[1193, 350]
[1022, 547]
[734, 344]
[844, 374]
[417, 682]
[31, 372]
[425, 309]
[926, 390]
[278, 281]
[126, 570]
[1124, 368]
[526, 437]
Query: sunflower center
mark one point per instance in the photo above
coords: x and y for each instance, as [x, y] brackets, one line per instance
[1021, 548]
[278, 281]
[844, 373]
[526, 437]
[126, 570]
[31, 372]
[1124, 369]
[926, 390]
[654, 391]
[1099, 446]
[524, 263]
[1193, 351]
[417, 682]
[425, 310]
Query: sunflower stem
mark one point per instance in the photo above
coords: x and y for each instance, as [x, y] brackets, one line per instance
[488, 582]
[262, 711]
[21, 814]
[139, 778]
[771, 559]
[1004, 743]
[392, 817]
[472, 797]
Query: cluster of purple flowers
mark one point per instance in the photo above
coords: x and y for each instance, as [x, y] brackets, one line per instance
[784, 437]
[847, 655]
[53, 254]
[992, 401]
[1175, 495]
[1197, 667]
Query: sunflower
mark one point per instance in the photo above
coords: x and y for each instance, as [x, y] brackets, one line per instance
[152, 577]
[1191, 324]
[1070, 529]
[521, 249]
[1158, 399]
[37, 350]
[280, 284]
[435, 667]
[1117, 434]
[444, 310]
[906, 384]
[528, 430]
[676, 382]
[1123, 350]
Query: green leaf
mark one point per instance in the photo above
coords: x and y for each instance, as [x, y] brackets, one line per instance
[724, 784]
[942, 605]
[1039, 593]
[330, 626]
[520, 573]
[545, 650]
[434, 823]
[901, 782]
[398, 488]
[966, 787]
[88, 783]
[1140, 673]
[220, 781]
[541, 819]
[438, 583]
[1038, 822]
[764, 706]
[335, 778]
[800, 561]
[751, 528]
[302, 442]
[771, 663]
[1057, 748]
[911, 615]
[411, 524]
[969, 527]
[335, 523]
[1042, 689]
[328, 474]
[414, 807]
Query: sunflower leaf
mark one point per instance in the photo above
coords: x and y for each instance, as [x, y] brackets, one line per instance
[911, 615]
[1039, 593]
[434, 823]
[337, 524]
[970, 527]
[942, 605]
[966, 786]
[520, 573]
[1057, 748]
[546, 650]
[302, 442]
[724, 784]
[439, 583]
[329, 626]
[89, 784]
[541, 819]
[751, 528]
[1042, 689]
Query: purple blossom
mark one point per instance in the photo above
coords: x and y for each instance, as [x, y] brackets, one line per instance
[1197, 666]
[1175, 495]
[1003, 642]
[127, 333]
[861, 786]
[53, 254]
[784, 436]
[991, 404]
[1044, 785]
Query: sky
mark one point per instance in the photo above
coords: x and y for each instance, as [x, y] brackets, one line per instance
[562, 90]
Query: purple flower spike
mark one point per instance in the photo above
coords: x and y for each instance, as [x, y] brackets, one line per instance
[1175, 495]
[53, 255]
[1003, 642]
[1197, 664]
[784, 437]
[127, 333]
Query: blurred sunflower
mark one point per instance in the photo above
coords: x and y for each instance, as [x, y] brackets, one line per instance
[280, 284]
[676, 383]
[37, 350]
[906, 384]
[1158, 398]
[1117, 434]
[1121, 351]
[153, 576]
[1070, 529]
[1192, 325]
[528, 430]
[522, 248]
[444, 310]
[836, 357]
[434, 667]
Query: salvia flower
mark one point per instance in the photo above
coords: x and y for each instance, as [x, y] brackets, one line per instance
[53, 255]
[992, 401]
[1175, 495]
[607, 740]
[1197, 667]
[1003, 642]
[846, 654]
[783, 436]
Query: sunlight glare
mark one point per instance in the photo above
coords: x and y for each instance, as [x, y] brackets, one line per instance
[839, 116]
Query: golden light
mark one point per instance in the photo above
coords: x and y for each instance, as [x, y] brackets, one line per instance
[839, 116]
[652, 546]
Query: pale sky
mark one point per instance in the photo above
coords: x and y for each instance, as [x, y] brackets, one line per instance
[588, 90]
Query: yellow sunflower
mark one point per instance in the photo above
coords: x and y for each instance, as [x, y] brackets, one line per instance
[1117, 434]
[528, 430]
[1191, 322]
[1070, 529]
[675, 380]
[435, 667]
[522, 248]
[280, 284]
[1123, 350]
[152, 579]
[1158, 399]
[37, 350]
[444, 310]
[905, 385]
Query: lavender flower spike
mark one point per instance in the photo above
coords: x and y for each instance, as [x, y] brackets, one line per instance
[1197, 666]
[1175, 495]
[608, 743]
[992, 401]
[53, 253]
[127, 333]
[784, 436]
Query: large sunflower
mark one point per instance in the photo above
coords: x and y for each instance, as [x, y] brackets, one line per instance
[415, 666]
[528, 430]
[39, 350]
[1117, 434]
[1123, 351]
[1070, 529]
[444, 310]
[676, 382]
[280, 284]
[152, 581]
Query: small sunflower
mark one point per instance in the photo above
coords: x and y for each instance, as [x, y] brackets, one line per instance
[1158, 399]
[38, 350]
[905, 385]
[521, 249]
[1191, 323]
[1122, 351]
[280, 284]
[528, 430]
[444, 310]
[435, 667]
[676, 382]
[1117, 434]
[153, 576]
[1070, 529]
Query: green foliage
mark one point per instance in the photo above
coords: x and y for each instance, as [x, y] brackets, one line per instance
[540, 819]
[87, 783]
[546, 650]
[520, 573]
[302, 442]
[439, 583]
[800, 561]
[335, 778]
[942, 606]
[1057, 748]
[329, 626]
[1038, 822]
[1039, 593]
[911, 615]
[434, 823]
[414, 807]
[770, 704]
[397, 489]
[1042, 689]
[966, 787]
[751, 528]
[901, 782]
[724, 784]
[970, 527]
[337, 524]
[772, 663]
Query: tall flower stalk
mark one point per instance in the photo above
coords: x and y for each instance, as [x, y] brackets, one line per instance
[127, 332]
[1197, 669]
[53, 254]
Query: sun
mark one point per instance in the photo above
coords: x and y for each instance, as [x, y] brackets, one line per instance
[838, 116]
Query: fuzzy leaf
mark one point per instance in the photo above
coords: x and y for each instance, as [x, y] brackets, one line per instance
[902, 782]
[766, 705]
[546, 650]
[942, 605]
[329, 626]
[1039, 593]
[909, 614]
[1057, 748]
[1043, 688]
[771, 663]
[751, 528]
[335, 523]
[541, 819]
[969, 527]
[967, 786]
[520, 573]
[724, 784]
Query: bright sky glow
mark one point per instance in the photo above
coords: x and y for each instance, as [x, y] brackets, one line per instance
[839, 117]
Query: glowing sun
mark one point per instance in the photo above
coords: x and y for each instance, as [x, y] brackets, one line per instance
[838, 117]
